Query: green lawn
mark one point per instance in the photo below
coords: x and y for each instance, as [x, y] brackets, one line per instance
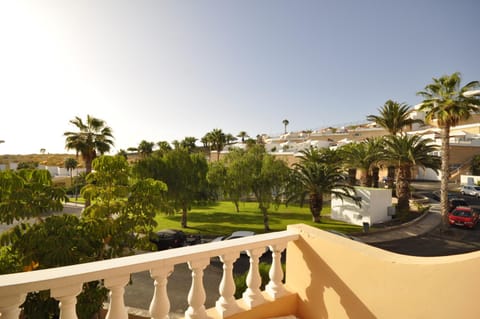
[221, 219]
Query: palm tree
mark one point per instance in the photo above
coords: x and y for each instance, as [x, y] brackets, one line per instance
[285, 124]
[242, 135]
[93, 138]
[70, 163]
[215, 140]
[364, 156]
[145, 148]
[393, 117]
[407, 152]
[446, 103]
[188, 143]
[313, 178]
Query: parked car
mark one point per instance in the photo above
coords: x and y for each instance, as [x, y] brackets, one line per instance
[455, 202]
[463, 216]
[235, 234]
[471, 190]
[169, 238]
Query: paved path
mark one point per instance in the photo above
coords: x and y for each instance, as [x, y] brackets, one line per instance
[417, 227]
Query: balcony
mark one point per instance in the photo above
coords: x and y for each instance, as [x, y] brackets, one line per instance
[327, 276]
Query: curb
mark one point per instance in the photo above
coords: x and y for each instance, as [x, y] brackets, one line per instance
[387, 229]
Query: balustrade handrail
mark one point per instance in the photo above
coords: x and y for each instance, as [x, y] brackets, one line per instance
[17, 284]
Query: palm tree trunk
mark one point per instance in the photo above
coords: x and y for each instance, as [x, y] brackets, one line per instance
[375, 176]
[445, 169]
[352, 176]
[403, 188]
[316, 206]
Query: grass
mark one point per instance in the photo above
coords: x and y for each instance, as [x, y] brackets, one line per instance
[221, 218]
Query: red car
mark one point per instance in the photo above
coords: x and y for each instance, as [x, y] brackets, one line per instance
[463, 216]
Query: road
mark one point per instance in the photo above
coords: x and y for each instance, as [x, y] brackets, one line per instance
[455, 240]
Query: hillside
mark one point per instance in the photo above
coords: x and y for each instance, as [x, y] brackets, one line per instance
[42, 159]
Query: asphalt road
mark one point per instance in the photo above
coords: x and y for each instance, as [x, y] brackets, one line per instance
[455, 240]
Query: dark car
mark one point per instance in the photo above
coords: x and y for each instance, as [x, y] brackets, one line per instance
[455, 202]
[169, 238]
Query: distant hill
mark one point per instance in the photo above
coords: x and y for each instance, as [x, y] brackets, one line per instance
[41, 159]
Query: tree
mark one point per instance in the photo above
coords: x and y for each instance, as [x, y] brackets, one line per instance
[164, 146]
[185, 176]
[407, 152]
[188, 143]
[285, 124]
[70, 164]
[446, 103]
[364, 156]
[93, 138]
[475, 165]
[27, 194]
[215, 140]
[120, 208]
[243, 135]
[145, 148]
[233, 175]
[313, 177]
[269, 177]
[394, 117]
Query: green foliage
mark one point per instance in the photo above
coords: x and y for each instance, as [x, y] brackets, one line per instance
[475, 165]
[27, 165]
[28, 193]
[121, 212]
[241, 280]
[9, 261]
[232, 175]
[185, 176]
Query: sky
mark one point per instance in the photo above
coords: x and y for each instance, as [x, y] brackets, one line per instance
[163, 70]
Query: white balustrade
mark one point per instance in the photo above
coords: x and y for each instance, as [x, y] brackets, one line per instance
[196, 295]
[253, 295]
[116, 285]
[68, 300]
[226, 305]
[160, 305]
[10, 306]
[65, 283]
[275, 288]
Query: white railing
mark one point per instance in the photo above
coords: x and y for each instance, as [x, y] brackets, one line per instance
[65, 283]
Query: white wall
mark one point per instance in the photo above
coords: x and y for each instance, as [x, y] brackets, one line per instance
[469, 179]
[373, 209]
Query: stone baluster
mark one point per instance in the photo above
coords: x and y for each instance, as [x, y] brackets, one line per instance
[253, 295]
[275, 288]
[68, 300]
[226, 304]
[116, 308]
[160, 305]
[196, 295]
[10, 306]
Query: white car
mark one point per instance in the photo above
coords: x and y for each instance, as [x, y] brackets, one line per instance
[236, 234]
[471, 190]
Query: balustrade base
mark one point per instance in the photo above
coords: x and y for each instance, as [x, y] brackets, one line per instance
[286, 305]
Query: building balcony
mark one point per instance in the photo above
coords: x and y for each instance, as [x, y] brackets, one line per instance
[327, 276]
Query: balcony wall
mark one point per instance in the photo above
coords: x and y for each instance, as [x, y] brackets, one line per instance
[327, 276]
[337, 278]
[65, 283]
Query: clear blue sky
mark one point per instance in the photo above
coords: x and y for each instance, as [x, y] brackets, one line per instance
[163, 70]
